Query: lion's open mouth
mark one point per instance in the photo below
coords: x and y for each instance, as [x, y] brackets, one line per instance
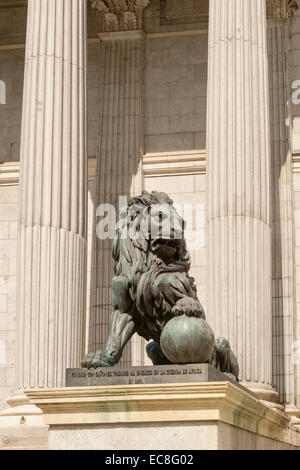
[165, 248]
[166, 242]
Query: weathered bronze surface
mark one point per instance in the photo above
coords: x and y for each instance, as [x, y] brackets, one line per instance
[152, 286]
[187, 339]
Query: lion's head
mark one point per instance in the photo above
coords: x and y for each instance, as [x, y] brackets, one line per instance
[150, 230]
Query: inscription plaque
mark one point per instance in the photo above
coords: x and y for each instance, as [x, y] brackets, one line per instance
[146, 375]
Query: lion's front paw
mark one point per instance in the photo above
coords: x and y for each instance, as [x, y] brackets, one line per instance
[87, 361]
[95, 360]
[189, 307]
[101, 360]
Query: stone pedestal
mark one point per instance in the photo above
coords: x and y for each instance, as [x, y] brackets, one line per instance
[22, 426]
[194, 416]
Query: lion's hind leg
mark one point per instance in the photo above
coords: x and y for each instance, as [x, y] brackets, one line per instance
[156, 355]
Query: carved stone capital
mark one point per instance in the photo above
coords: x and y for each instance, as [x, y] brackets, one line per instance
[281, 9]
[121, 15]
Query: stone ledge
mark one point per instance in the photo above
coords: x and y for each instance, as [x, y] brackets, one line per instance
[10, 172]
[168, 403]
[174, 163]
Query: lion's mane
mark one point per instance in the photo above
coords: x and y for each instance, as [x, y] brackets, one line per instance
[153, 285]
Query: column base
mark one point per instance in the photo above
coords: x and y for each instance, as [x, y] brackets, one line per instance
[294, 414]
[295, 422]
[22, 426]
[266, 393]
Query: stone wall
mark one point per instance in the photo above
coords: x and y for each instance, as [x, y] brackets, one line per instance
[11, 73]
[175, 79]
[13, 17]
[8, 232]
[176, 16]
[294, 76]
[297, 268]
[93, 97]
[175, 93]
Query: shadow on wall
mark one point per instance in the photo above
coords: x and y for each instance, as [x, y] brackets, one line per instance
[11, 96]
[283, 260]
[2, 92]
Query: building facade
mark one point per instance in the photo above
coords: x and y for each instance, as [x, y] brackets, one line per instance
[100, 100]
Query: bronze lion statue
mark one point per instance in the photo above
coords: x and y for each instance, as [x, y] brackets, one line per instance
[151, 281]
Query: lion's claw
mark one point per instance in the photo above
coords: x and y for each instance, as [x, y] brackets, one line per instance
[95, 360]
[189, 307]
[101, 360]
[86, 362]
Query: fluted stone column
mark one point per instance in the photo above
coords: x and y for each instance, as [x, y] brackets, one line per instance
[53, 195]
[120, 149]
[119, 163]
[283, 259]
[238, 187]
